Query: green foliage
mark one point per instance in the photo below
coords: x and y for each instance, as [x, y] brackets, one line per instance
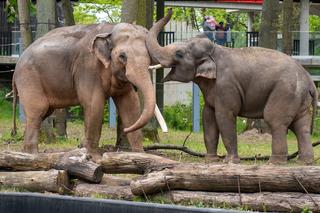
[86, 12]
[178, 116]
[314, 23]
[11, 10]
[83, 16]
[5, 105]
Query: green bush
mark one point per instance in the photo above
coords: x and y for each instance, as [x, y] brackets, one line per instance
[5, 104]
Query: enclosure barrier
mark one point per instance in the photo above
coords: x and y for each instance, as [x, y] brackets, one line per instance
[35, 202]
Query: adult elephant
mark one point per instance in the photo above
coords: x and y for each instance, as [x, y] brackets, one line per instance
[248, 82]
[85, 65]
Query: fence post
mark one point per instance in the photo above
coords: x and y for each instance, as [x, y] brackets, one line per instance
[195, 108]
[112, 114]
[22, 117]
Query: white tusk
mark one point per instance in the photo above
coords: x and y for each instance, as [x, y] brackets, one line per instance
[9, 95]
[154, 67]
[160, 119]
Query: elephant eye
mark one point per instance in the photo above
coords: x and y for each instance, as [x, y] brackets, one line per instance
[123, 57]
[179, 54]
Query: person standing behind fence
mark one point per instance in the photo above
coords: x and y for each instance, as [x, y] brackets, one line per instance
[209, 26]
[220, 34]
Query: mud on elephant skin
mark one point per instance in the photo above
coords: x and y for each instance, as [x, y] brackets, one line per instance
[248, 82]
[85, 65]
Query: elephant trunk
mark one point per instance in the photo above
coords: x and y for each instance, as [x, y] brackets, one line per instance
[143, 82]
[162, 55]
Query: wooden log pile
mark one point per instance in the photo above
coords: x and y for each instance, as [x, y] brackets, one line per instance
[257, 187]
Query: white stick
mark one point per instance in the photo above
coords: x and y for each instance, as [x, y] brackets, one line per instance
[160, 119]
[154, 67]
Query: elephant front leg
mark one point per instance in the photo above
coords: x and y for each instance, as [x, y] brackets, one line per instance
[211, 133]
[128, 106]
[93, 112]
[227, 126]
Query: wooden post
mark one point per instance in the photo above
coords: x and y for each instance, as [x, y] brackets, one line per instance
[195, 108]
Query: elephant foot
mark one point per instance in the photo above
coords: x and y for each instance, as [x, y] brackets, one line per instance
[277, 160]
[306, 160]
[30, 148]
[231, 159]
[95, 154]
[211, 158]
[135, 149]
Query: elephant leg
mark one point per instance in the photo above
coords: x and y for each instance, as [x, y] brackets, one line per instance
[35, 112]
[211, 133]
[93, 113]
[128, 106]
[301, 128]
[278, 114]
[227, 126]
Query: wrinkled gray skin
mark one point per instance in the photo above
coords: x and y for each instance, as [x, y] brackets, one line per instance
[85, 65]
[247, 82]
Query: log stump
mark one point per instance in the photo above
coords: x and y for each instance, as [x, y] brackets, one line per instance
[37, 181]
[133, 162]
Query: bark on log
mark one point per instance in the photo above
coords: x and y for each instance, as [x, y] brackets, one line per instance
[37, 181]
[75, 162]
[133, 162]
[230, 178]
[264, 201]
[103, 191]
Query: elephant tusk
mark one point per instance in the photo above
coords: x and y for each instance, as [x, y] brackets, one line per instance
[9, 95]
[160, 119]
[154, 67]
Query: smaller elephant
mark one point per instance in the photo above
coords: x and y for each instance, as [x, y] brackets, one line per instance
[248, 82]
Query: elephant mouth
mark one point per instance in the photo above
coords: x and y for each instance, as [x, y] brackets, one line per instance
[167, 77]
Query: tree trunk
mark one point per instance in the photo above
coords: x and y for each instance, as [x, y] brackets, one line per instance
[287, 13]
[37, 181]
[46, 21]
[133, 162]
[267, 39]
[67, 13]
[229, 178]
[269, 20]
[75, 162]
[24, 19]
[139, 12]
[262, 202]
[46, 16]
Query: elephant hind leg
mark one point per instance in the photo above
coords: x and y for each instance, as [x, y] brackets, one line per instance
[279, 113]
[35, 112]
[301, 128]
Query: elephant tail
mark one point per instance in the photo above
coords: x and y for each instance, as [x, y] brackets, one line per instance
[15, 94]
[314, 95]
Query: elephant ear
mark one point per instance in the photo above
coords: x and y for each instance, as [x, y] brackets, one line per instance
[207, 69]
[101, 47]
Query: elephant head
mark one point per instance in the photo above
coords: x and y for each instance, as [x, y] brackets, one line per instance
[124, 51]
[188, 60]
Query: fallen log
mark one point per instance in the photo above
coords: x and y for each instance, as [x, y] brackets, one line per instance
[103, 191]
[264, 201]
[229, 178]
[133, 162]
[75, 162]
[37, 181]
[112, 180]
